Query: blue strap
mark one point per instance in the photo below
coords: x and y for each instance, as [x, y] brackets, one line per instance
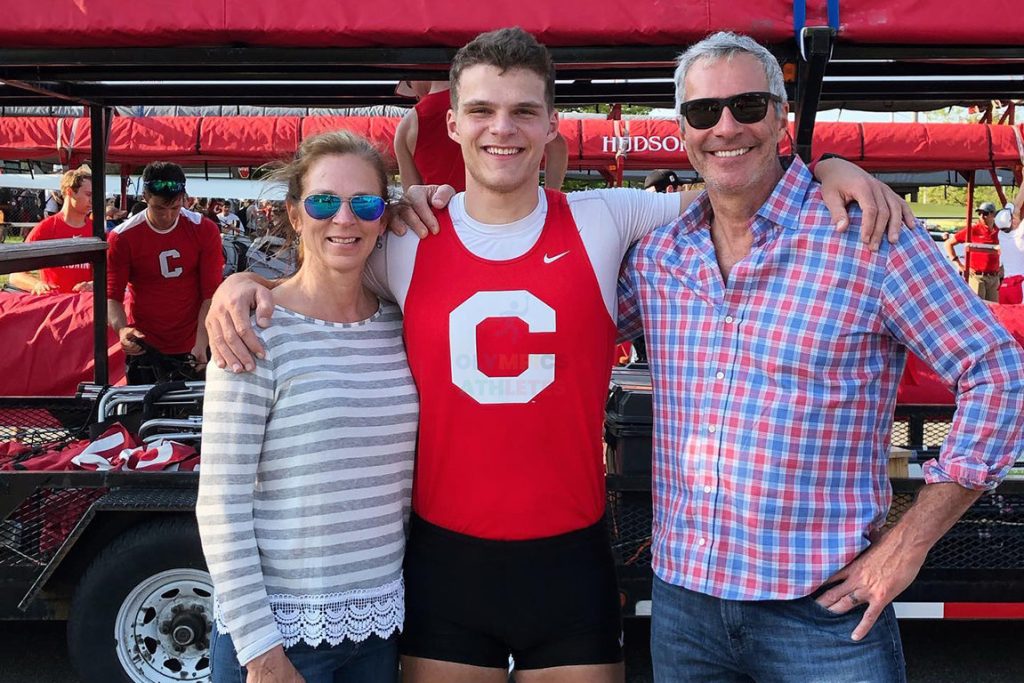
[833, 14]
[800, 15]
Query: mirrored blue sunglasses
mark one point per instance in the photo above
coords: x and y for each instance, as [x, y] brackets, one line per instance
[367, 207]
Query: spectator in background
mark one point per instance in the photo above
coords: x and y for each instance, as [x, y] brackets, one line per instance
[137, 208]
[110, 218]
[982, 240]
[53, 203]
[1011, 247]
[662, 180]
[212, 210]
[253, 220]
[261, 218]
[171, 259]
[243, 214]
[428, 156]
[28, 205]
[229, 222]
[72, 221]
[113, 215]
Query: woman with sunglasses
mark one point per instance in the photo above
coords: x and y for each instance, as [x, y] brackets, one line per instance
[307, 462]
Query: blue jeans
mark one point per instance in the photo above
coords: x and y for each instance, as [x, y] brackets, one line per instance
[696, 637]
[375, 660]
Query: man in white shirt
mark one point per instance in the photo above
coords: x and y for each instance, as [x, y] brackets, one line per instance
[1011, 247]
[229, 222]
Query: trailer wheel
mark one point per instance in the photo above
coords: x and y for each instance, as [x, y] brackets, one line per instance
[143, 609]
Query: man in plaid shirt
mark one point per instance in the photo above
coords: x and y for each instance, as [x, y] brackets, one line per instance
[776, 349]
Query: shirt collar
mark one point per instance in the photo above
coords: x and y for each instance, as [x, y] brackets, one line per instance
[781, 208]
[783, 205]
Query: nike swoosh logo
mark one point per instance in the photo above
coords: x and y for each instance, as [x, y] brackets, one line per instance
[552, 259]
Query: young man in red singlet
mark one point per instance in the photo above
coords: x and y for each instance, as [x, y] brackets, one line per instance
[510, 330]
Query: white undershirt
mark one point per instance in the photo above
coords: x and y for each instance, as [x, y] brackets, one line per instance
[1011, 247]
[609, 221]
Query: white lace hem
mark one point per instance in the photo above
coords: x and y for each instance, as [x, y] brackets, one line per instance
[352, 615]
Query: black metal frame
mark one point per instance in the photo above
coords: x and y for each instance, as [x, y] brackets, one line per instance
[128, 492]
[110, 77]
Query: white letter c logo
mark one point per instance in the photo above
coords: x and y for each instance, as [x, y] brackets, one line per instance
[165, 263]
[462, 324]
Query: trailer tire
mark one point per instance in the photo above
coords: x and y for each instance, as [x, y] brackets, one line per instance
[142, 611]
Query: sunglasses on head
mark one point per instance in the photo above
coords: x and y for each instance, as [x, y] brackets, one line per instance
[367, 207]
[165, 186]
[747, 107]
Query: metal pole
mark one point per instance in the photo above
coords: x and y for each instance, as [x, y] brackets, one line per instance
[970, 208]
[99, 121]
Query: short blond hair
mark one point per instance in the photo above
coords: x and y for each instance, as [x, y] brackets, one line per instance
[72, 180]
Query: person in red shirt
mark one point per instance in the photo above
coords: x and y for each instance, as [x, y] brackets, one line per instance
[982, 240]
[171, 261]
[426, 153]
[72, 221]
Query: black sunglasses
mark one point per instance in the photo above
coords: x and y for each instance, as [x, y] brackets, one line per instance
[747, 107]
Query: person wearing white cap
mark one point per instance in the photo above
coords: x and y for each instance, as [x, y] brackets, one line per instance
[982, 240]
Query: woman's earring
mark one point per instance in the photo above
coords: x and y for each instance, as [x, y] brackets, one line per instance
[380, 241]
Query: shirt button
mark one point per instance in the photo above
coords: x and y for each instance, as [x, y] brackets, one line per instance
[701, 541]
[711, 429]
[707, 489]
[728, 319]
[719, 375]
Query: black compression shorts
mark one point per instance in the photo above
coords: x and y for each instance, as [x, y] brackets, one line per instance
[546, 602]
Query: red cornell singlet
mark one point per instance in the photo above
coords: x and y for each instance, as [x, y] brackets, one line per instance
[512, 361]
[437, 157]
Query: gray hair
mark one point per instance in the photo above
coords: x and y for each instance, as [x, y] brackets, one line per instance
[725, 45]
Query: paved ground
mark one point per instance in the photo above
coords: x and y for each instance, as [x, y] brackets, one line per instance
[937, 652]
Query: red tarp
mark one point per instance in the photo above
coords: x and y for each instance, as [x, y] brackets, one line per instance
[924, 22]
[418, 23]
[248, 140]
[593, 143]
[921, 386]
[50, 345]
[402, 23]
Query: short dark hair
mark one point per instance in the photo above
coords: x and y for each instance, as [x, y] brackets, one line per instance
[166, 171]
[504, 49]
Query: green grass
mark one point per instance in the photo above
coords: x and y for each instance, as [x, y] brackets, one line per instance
[10, 240]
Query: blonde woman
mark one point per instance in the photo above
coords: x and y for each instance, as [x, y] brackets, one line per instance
[307, 462]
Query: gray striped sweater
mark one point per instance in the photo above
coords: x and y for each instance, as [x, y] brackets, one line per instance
[305, 483]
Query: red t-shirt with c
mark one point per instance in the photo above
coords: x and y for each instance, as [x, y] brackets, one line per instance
[63, 278]
[980, 261]
[169, 275]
